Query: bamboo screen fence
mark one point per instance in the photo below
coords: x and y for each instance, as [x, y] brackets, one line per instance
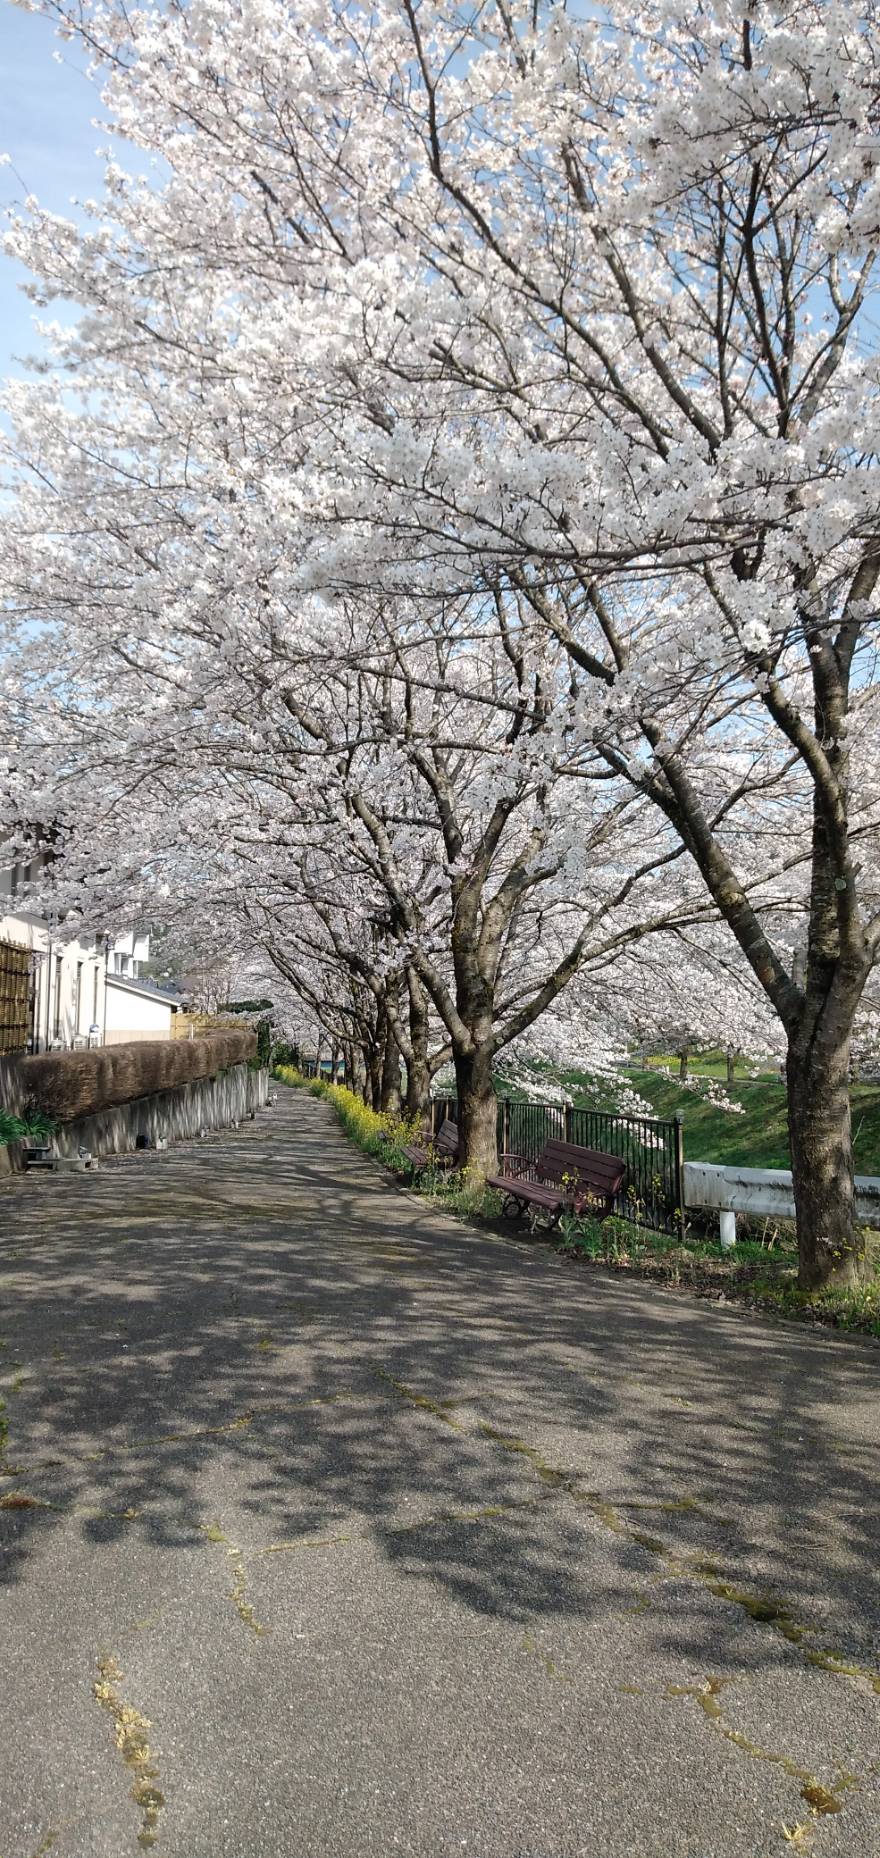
[15, 997]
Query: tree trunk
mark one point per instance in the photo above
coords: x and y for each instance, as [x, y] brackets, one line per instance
[418, 1088]
[374, 1071]
[683, 1062]
[477, 1113]
[731, 1064]
[831, 1246]
[418, 1070]
[390, 1084]
[357, 1070]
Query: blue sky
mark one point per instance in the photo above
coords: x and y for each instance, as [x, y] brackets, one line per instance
[46, 128]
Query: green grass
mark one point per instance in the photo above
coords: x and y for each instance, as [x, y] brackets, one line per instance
[711, 1064]
[764, 1277]
[756, 1139]
[617, 1241]
[857, 1310]
[453, 1193]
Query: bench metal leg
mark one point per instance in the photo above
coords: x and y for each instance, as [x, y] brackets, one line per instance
[544, 1218]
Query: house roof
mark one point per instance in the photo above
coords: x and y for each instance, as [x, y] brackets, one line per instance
[132, 986]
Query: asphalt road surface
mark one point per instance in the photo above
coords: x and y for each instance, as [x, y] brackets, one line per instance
[332, 1529]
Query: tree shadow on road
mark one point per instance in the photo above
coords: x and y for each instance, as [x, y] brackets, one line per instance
[262, 1335]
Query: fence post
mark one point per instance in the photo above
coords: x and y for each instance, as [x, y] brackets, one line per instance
[679, 1173]
[505, 1125]
[433, 1117]
[568, 1123]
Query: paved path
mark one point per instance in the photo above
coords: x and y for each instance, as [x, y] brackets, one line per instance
[330, 1528]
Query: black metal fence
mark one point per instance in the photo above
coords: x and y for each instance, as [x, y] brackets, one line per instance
[652, 1193]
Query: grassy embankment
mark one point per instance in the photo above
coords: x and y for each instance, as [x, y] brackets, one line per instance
[758, 1138]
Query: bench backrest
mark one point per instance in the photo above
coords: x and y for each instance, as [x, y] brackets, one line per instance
[584, 1167]
[446, 1140]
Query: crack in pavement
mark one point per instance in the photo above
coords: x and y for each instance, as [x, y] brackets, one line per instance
[131, 1734]
[238, 1590]
[821, 1800]
[422, 1401]
[762, 1608]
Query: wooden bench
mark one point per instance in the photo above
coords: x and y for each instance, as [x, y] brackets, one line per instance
[442, 1151]
[563, 1178]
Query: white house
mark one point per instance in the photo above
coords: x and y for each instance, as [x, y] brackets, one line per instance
[136, 1009]
[60, 994]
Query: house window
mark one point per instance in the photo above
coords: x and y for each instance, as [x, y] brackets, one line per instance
[58, 969]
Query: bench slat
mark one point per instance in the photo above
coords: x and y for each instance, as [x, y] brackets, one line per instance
[444, 1145]
[567, 1156]
[527, 1190]
[563, 1174]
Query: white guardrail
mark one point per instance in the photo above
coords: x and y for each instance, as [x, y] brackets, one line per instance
[762, 1191]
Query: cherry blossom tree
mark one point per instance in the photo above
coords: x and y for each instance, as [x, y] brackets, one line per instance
[396, 825]
[565, 319]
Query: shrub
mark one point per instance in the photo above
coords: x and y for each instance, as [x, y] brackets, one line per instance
[12, 1129]
[263, 1052]
[31, 1127]
[284, 1055]
[376, 1132]
[66, 1085]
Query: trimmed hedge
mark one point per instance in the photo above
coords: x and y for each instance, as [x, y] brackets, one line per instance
[66, 1085]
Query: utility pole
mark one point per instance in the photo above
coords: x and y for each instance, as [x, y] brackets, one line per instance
[106, 967]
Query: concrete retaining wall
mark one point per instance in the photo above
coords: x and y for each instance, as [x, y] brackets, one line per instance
[12, 1091]
[170, 1116]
